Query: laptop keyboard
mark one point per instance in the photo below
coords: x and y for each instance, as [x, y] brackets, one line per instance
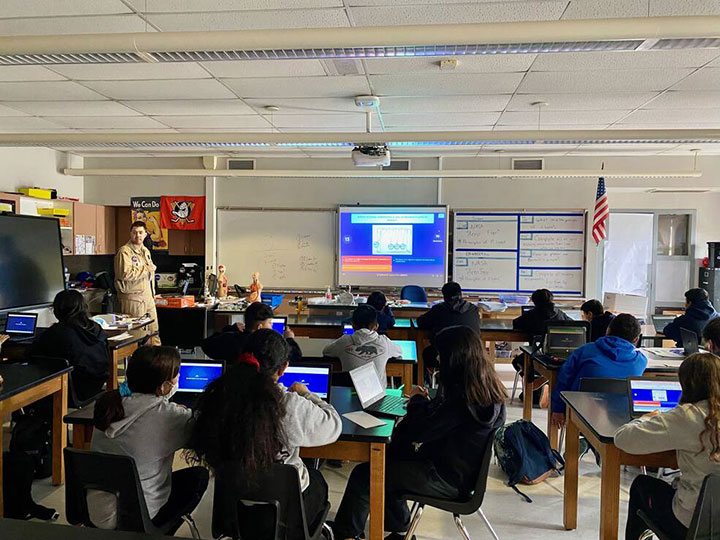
[389, 404]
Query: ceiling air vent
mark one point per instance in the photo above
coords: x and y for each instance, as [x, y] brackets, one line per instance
[241, 164]
[533, 164]
[398, 165]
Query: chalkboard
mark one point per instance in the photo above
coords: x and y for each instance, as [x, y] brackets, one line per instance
[518, 252]
[292, 249]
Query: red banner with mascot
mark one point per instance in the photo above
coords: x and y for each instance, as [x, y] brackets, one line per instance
[183, 213]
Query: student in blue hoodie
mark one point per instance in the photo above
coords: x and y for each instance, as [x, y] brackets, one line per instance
[698, 312]
[613, 356]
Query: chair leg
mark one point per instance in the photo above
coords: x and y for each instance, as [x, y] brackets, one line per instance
[415, 516]
[647, 535]
[487, 524]
[187, 518]
[643, 470]
[330, 535]
[460, 527]
[515, 385]
[561, 439]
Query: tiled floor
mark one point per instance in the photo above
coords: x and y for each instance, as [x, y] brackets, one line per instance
[511, 517]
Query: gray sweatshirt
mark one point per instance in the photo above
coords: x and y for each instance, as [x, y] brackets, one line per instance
[151, 432]
[677, 430]
[308, 422]
[363, 347]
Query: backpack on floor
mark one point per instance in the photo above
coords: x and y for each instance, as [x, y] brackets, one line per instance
[32, 435]
[524, 454]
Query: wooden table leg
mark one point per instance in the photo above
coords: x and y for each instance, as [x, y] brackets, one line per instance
[60, 399]
[570, 500]
[407, 378]
[377, 491]
[82, 436]
[527, 387]
[609, 492]
[112, 382]
[552, 429]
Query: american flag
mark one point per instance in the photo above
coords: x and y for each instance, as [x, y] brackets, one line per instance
[602, 211]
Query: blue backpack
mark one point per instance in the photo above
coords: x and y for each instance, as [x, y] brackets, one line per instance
[524, 454]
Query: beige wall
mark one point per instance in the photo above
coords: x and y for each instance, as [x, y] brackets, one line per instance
[38, 167]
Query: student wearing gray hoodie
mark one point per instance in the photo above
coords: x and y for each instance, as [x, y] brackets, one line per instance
[246, 417]
[139, 421]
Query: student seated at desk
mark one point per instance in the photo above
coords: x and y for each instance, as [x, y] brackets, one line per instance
[229, 344]
[692, 429]
[698, 312]
[535, 320]
[599, 319]
[137, 420]
[385, 317]
[613, 356]
[452, 311]
[711, 336]
[79, 340]
[437, 449]
[246, 416]
[365, 345]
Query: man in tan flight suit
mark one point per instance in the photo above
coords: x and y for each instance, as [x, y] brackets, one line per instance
[135, 278]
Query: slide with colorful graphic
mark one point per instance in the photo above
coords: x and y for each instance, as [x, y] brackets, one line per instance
[393, 246]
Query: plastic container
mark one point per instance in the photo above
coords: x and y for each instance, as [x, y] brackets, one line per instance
[272, 300]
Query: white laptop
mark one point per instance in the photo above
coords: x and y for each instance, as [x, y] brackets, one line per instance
[371, 393]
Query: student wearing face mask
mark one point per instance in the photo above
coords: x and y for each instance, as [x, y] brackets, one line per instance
[139, 421]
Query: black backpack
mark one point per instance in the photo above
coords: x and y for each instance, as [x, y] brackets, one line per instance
[32, 435]
[524, 454]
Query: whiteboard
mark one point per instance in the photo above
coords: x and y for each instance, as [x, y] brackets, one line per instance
[519, 252]
[292, 249]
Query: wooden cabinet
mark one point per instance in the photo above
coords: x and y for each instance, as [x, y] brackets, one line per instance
[186, 242]
[10, 201]
[123, 220]
[105, 226]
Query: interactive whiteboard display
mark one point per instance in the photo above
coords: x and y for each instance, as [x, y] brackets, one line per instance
[518, 252]
[392, 246]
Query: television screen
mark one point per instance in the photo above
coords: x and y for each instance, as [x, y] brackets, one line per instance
[393, 246]
[31, 264]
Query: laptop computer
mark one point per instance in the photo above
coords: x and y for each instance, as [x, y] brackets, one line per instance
[647, 394]
[194, 376]
[690, 341]
[348, 330]
[372, 395]
[561, 341]
[317, 377]
[278, 324]
[21, 326]
[661, 321]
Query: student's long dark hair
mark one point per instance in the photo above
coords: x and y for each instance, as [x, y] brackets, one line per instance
[465, 370]
[147, 369]
[700, 380]
[239, 416]
[69, 307]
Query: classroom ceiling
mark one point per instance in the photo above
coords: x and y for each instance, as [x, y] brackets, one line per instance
[668, 90]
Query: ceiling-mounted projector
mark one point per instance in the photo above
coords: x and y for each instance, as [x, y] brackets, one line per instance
[371, 155]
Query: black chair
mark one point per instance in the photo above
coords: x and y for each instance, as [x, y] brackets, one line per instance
[457, 508]
[604, 385]
[414, 293]
[58, 364]
[705, 524]
[117, 475]
[278, 487]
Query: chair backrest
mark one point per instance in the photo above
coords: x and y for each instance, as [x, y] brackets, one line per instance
[478, 494]
[705, 524]
[110, 473]
[604, 385]
[279, 486]
[414, 293]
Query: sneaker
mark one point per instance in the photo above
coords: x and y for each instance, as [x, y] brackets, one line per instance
[583, 447]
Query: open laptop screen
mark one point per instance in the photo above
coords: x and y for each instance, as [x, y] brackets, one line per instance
[195, 376]
[21, 324]
[651, 394]
[316, 377]
[278, 324]
[564, 339]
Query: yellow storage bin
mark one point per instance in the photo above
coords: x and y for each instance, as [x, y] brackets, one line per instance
[38, 193]
[62, 212]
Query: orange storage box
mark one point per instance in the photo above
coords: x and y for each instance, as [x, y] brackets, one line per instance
[175, 301]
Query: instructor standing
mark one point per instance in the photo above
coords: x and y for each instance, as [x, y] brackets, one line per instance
[135, 278]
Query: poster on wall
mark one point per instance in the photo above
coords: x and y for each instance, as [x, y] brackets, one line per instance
[147, 210]
[183, 213]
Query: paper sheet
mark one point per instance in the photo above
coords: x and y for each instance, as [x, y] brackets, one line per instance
[665, 353]
[120, 337]
[364, 419]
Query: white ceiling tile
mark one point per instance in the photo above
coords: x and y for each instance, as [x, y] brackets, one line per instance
[118, 72]
[348, 86]
[704, 79]
[8, 111]
[136, 130]
[444, 104]
[468, 120]
[214, 122]
[185, 6]
[265, 68]
[605, 9]
[625, 60]
[73, 108]
[43, 8]
[466, 64]
[339, 122]
[106, 122]
[662, 8]
[667, 125]
[439, 128]
[199, 107]
[555, 127]
[361, 3]
[227, 130]
[580, 102]
[72, 25]
[680, 100]
[28, 73]
[679, 116]
[438, 13]
[175, 89]
[307, 105]
[445, 84]
[241, 20]
[26, 123]
[551, 118]
[46, 91]
[348, 129]
[601, 81]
